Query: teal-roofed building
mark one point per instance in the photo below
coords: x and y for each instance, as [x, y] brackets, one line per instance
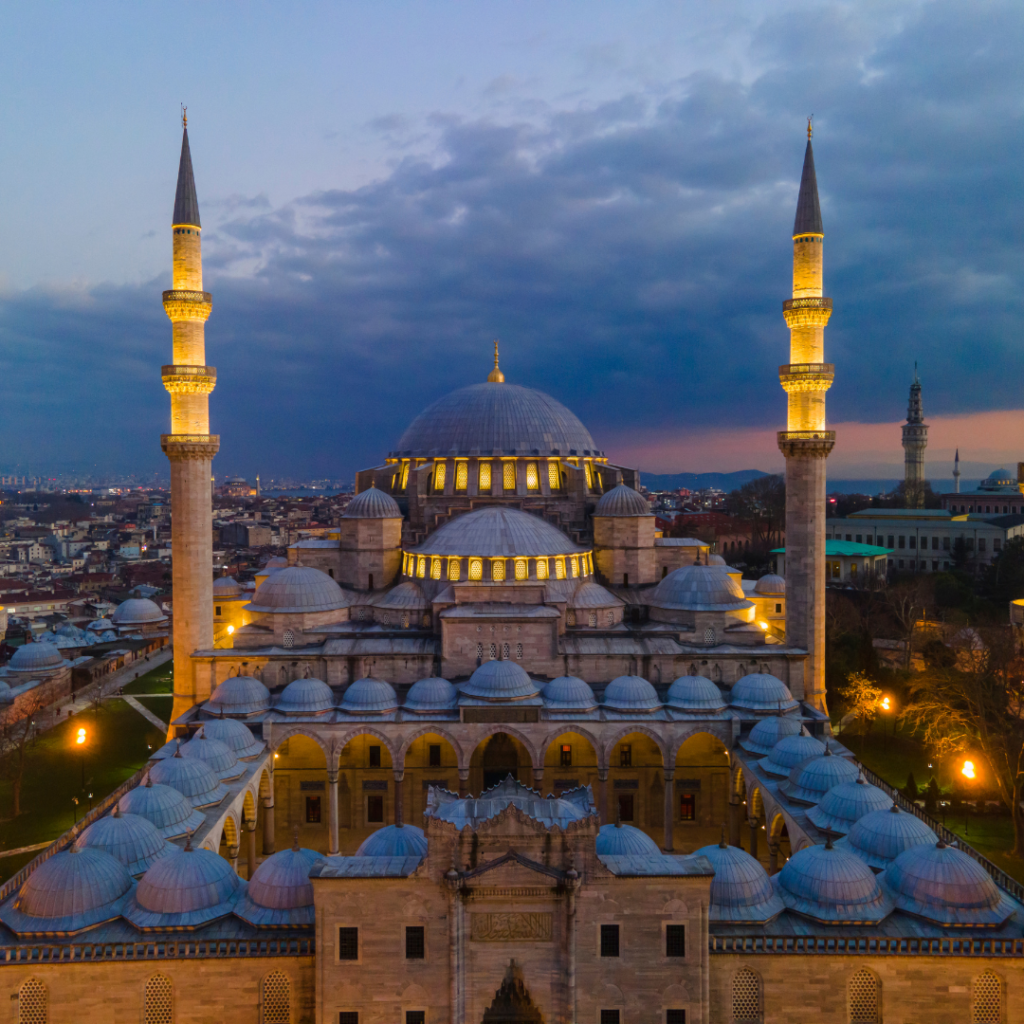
[847, 561]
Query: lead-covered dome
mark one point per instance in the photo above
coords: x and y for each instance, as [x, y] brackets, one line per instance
[695, 693]
[497, 532]
[845, 804]
[237, 736]
[620, 840]
[226, 586]
[623, 501]
[630, 693]
[706, 588]
[789, 752]
[137, 611]
[369, 696]
[372, 504]
[217, 756]
[810, 780]
[500, 681]
[741, 891]
[431, 696]
[763, 737]
[760, 691]
[36, 657]
[280, 893]
[238, 695]
[394, 841]
[770, 585]
[495, 419]
[133, 840]
[297, 589]
[569, 693]
[305, 697]
[164, 806]
[190, 776]
[881, 836]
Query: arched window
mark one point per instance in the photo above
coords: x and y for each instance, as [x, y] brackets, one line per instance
[461, 476]
[592, 620]
[476, 568]
[288, 639]
[508, 475]
[276, 999]
[746, 997]
[453, 568]
[553, 480]
[421, 566]
[709, 636]
[864, 990]
[570, 616]
[987, 1004]
[158, 1006]
[532, 477]
[32, 1003]
[439, 474]
[574, 565]
[559, 568]
[435, 568]
[542, 568]
[485, 476]
[498, 569]
[520, 568]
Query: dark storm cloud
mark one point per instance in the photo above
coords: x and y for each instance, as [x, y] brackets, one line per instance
[632, 257]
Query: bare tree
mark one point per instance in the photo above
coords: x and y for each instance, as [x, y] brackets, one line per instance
[762, 503]
[905, 602]
[862, 698]
[15, 734]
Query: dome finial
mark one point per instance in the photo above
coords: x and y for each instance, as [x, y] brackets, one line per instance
[496, 376]
[810, 128]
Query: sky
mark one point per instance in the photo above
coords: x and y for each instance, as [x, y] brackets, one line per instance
[607, 187]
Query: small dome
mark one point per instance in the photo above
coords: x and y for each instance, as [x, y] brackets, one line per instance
[133, 840]
[832, 886]
[500, 680]
[298, 589]
[226, 586]
[275, 563]
[946, 886]
[695, 693]
[235, 735]
[431, 695]
[497, 532]
[630, 693]
[218, 756]
[394, 841]
[238, 695]
[789, 752]
[847, 803]
[369, 697]
[191, 777]
[625, 841]
[138, 611]
[280, 892]
[100, 626]
[760, 691]
[36, 657]
[881, 836]
[716, 560]
[623, 501]
[372, 504]
[699, 588]
[999, 479]
[164, 806]
[810, 780]
[407, 596]
[567, 693]
[741, 891]
[770, 584]
[305, 697]
[592, 595]
[763, 737]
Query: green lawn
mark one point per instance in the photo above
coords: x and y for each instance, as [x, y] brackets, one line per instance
[156, 680]
[118, 743]
[160, 706]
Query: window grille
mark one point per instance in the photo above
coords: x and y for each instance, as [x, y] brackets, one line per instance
[988, 999]
[746, 997]
[542, 568]
[504, 651]
[592, 620]
[532, 477]
[863, 994]
[520, 568]
[405, 475]
[476, 568]
[519, 652]
[480, 652]
[159, 1008]
[348, 943]
[485, 476]
[405, 620]
[439, 474]
[508, 475]
[675, 940]
[385, 618]
[415, 945]
[709, 636]
[574, 566]
[32, 1003]
[609, 940]
[589, 470]
[435, 568]
[277, 1007]
[288, 639]
[553, 480]
[498, 569]
[453, 568]
[559, 568]
[421, 566]
[493, 651]
[570, 616]
[461, 476]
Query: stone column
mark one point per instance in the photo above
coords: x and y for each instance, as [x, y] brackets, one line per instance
[572, 887]
[332, 811]
[602, 795]
[538, 778]
[670, 808]
[452, 883]
[753, 837]
[233, 857]
[773, 857]
[399, 797]
[463, 781]
[250, 846]
[268, 821]
[734, 819]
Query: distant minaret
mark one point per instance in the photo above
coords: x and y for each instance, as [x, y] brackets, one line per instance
[806, 443]
[257, 485]
[956, 472]
[189, 446]
[915, 440]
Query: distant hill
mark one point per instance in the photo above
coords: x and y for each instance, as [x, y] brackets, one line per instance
[697, 481]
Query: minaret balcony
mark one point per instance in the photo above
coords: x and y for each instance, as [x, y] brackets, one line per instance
[197, 447]
[812, 312]
[182, 305]
[806, 376]
[806, 444]
[189, 380]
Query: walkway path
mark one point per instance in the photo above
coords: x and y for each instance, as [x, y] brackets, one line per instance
[144, 711]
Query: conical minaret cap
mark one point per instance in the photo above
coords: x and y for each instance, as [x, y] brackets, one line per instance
[808, 209]
[186, 205]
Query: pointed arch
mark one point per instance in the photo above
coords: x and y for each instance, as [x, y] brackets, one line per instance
[627, 728]
[249, 806]
[367, 729]
[266, 785]
[509, 730]
[158, 1000]
[707, 730]
[864, 992]
[299, 730]
[33, 1002]
[432, 729]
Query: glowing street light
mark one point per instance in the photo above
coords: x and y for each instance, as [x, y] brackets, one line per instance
[886, 704]
[968, 770]
[231, 630]
[80, 738]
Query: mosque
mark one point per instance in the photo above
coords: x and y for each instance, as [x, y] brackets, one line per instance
[496, 751]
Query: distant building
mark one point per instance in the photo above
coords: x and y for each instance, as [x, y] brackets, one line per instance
[997, 494]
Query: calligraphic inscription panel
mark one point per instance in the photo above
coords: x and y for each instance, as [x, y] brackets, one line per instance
[510, 927]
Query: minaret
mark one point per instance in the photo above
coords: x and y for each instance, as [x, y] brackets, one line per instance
[189, 446]
[806, 443]
[915, 440]
[956, 472]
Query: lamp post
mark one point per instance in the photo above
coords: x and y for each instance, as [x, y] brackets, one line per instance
[887, 706]
[80, 742]
[968, 772]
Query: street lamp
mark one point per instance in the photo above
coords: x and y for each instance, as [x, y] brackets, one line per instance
[80, 742]
[887, 705]
[968, 772]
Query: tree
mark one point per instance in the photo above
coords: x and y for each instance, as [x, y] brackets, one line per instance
[762, 503]
[862, 697]
[910, 790]
[1004, 578]
[905, 601]
[15, 734]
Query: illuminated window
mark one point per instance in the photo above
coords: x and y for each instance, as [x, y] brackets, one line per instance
[559, 568]
[453, 568]
[566, 758]
[405, 475]
[532, 478]
[553, 480]
[542, 568]
[435, 568]
[588, 469]
[461, 476]
[520, 568]
[439, 471]
[476, 569]
[508, 476]
[574, 565]
[405, 563]
[421, 567]
[498, 569]
[485, 476]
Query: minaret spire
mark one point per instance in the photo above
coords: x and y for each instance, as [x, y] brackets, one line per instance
[186, 205]
[808, 208]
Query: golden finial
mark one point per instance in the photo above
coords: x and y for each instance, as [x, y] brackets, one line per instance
[496, 376]
[809, 127]
[184, 116]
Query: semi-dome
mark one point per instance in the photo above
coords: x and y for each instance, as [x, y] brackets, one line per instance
[832, 886]
[810, 780]
[408, 596]
[133, 840]
[164, 806]
[771, 585]
[499, 681]
[881, 836]
[623, 501]
[237, 736]
[763, 737]
[695, 693]
[369, 696]
[569, 693]
[72, 890]
[495, 419]
[620, 840]
[789, 752]
[431, 695]
[741, 891]
[630, 693]
[497, 532]
[946, 886]
[305, 697]
[226, 586]
[280, 893]
[372, 504]
[843, 805]
[186, 889]
[706, 588]
[36, 657]
[217, 756]
[760, 691]
[394, 841]
[193, 778]
[238, 695]
[298, 589]
[138, 611]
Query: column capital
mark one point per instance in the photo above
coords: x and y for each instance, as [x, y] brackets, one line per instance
[670, 774]
[332, 775]
[399, 775]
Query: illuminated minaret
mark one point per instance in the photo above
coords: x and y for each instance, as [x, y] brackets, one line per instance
[189, 446]
[806, 443]
[915, 440]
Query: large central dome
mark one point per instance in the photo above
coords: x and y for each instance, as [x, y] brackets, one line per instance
[495, 419]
